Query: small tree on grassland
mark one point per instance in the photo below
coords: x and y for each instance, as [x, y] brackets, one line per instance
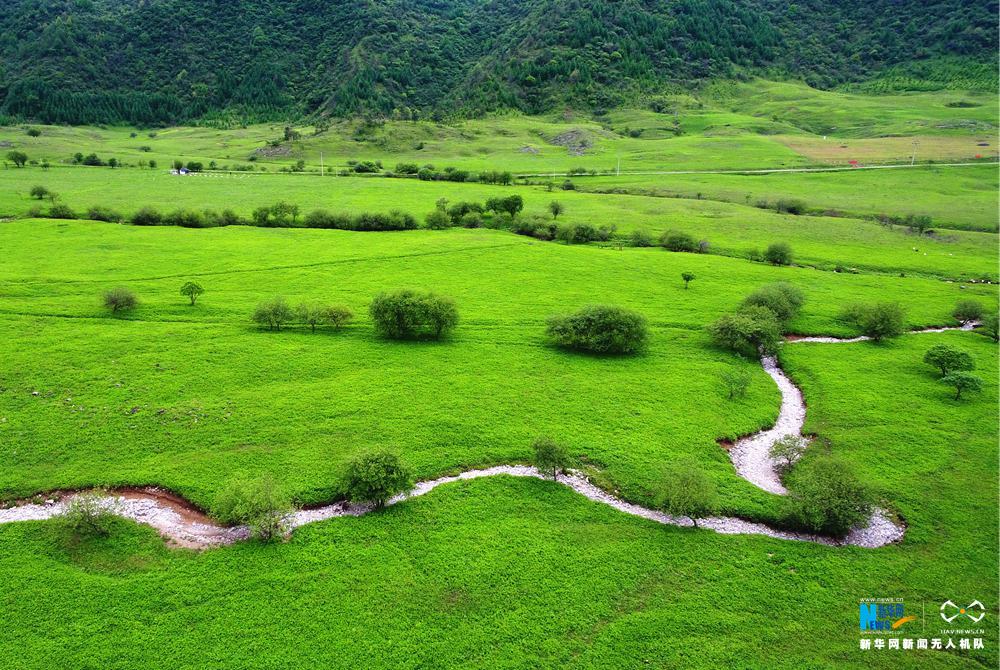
[551, 458]
[968, 311]
[87, 515]
[963, 381]
[736, 381]
[750, 331]
[991, 326]
[688, 277]
[600, 329]
[949, 359]
[878, 321]
[258, 504]
[337, 316]
[39, 192]
[375, 478]
[826, 497]
[120, 299]
[273, 313]
[192, 290]
[779, 253]
[782, 298]
[556, 208]
[687, 491]
[786, 450]
[18, 158]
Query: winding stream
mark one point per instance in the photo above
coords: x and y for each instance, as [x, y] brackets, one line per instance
[184, 525]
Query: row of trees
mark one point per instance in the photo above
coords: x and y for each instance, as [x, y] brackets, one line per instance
[276, 312]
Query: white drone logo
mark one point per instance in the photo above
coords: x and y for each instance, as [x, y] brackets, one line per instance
[974, 606]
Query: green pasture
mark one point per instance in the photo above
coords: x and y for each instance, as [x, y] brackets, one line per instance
[955, 197]
[732, 229]
[507, 573]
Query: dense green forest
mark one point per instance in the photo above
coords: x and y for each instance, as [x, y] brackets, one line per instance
[167, 61]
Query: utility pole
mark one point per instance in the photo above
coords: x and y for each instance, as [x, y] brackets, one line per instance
[913, 158]
[320, 163]
[618, 170]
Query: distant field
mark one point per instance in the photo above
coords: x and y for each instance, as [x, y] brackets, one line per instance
[732, 229]
[960, 197]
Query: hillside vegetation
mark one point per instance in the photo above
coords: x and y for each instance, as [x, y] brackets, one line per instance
[106, 61]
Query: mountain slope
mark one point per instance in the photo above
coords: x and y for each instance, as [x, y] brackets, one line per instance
[160, 61]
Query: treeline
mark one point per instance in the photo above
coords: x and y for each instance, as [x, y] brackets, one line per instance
[225, 63]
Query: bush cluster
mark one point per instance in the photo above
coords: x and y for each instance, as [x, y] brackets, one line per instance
[600, 329]
[878, 321]
[408, 314]
[276, 312]
[757, 324]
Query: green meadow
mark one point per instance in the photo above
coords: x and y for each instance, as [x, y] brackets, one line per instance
[498, 572]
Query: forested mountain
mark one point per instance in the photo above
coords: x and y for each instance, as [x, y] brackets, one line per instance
[163, 61]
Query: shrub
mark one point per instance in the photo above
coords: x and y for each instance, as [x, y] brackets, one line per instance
[580, 233]
[878, 321]
[672, 240]
[779, 253]
[512, 204]
[827, 498]
[120, 299]
[782, 298]
[254, 503]
[87, 515]
[192, 290]
[273, 313]
[408, 314]
[460, 209]
[750, 331]
[687, 491]
[791, 206]
[471, 220]
[321, 218]
[736, 381]
[991, 327]
[600, 329]
[98, 213]
[375, 478]
[968, 311]
[185, 218]
[61, 212]
[786, 450]
[437, 220]
[641, 238]
[963, 381]
[147, 216]
[551, 458]
[688, 277]
[949, 359]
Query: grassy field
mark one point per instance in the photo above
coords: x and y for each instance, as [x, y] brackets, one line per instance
[955, 197]
[756, 124]
[513, 573]
[732, 229]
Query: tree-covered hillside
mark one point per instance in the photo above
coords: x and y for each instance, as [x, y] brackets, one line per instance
[162, 61]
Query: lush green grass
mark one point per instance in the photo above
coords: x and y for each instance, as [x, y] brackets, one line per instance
[515, 573]
[955, 197]
[732, 229]
[755, 124]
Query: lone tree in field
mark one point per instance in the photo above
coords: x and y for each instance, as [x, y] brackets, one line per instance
[782, 298]
[751, 331]
[687, 491]
[18, 158]
[962, 382]
[688, 277]
[779, 253]
[120, 299]
[878, 321]
[968, 311]
[949, 359]
[273, 313]
[991, 326]
[192, 290]
[551, 458]
[375, 478]
[786, 450]
[600, 329]
[556, 208]
[256, 503]
[825, 497]
[39, 192]
[407, 314]
[736, 381]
